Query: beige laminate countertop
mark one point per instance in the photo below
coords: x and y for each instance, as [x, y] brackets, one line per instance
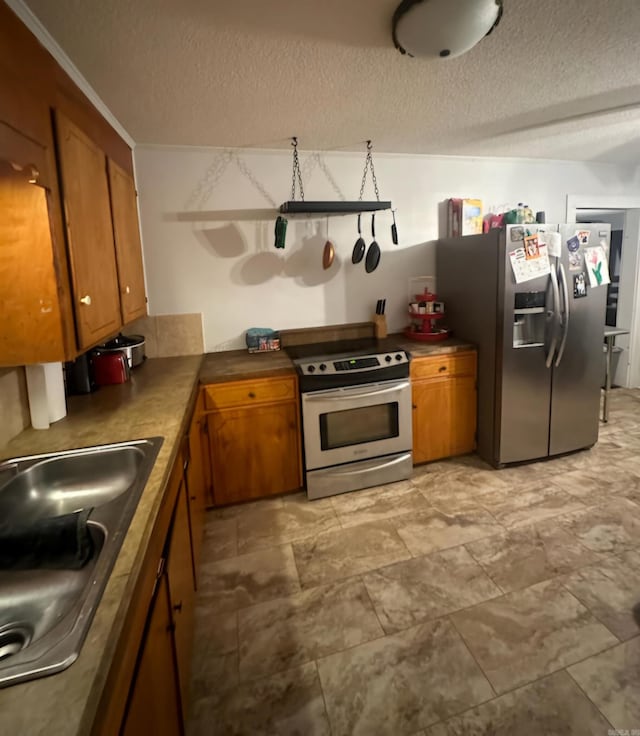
[236, 365]
[424, 349]
[156, 401]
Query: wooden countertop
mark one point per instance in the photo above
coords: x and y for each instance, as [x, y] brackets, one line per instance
[156, 401]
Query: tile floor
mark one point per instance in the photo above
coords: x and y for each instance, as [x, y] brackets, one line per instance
[465, 601]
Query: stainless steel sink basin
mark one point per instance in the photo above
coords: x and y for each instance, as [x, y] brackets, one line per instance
[45, 614]
[64, 483]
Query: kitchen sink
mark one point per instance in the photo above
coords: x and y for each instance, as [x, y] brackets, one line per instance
[68, 482]
[45, 613]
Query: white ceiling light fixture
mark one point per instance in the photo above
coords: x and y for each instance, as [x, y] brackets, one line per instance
[443, 28]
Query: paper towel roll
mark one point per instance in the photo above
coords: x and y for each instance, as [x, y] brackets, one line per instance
[37, 390]
[56, 398]
[45, 387]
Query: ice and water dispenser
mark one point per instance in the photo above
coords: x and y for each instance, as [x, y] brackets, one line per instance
[529, 319]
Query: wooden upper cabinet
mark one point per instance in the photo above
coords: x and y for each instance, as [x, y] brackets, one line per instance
[126, 229]
[31, 327]
[87, 212]
[26, 79]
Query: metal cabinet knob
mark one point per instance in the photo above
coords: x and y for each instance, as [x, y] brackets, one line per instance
[85, 299]
[127, 290]
[442, 368]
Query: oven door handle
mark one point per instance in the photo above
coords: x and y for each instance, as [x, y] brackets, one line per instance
[341, 394]
[374, 467]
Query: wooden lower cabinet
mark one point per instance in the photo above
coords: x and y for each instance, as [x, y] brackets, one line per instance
[182, 592]
[444, 406]
[197, 479]
[147, 687]
[254, 439]
[154, 706]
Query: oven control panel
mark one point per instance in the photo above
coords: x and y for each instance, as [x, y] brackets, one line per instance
[333, 366]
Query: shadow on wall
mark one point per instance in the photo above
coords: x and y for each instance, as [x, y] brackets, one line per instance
[301, 262]
[257, 262]
[225, 241]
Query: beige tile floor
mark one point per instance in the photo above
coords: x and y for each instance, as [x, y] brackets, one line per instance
[463, 602]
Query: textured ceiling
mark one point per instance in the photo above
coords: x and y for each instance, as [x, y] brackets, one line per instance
[556, 79]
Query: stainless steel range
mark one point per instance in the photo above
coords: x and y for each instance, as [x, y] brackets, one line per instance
[356, 415]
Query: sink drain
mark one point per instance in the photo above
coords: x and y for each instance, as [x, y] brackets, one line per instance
[12, 640]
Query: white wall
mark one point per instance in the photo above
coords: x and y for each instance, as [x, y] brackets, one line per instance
[208, 217]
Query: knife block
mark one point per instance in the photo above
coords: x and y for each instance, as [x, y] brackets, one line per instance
[380, 325]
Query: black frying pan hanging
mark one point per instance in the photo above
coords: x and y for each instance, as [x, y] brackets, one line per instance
[359, 248]
[373, 254]
[394, 229]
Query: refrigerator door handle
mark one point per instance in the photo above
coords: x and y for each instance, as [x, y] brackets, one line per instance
[565, 315]
[553, 315]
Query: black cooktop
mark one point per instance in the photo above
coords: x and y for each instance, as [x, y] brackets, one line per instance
[356, 346]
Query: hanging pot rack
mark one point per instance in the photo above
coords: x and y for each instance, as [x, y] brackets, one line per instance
[331, 207]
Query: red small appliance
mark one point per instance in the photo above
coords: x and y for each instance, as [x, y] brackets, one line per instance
[110, 368]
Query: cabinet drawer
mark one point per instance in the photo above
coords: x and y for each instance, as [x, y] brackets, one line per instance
[245, 393]
[455, 364]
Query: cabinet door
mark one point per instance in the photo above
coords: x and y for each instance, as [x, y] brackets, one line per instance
[31, 329]
[182, 591]
[255, 451]
[464, 412]
[26, 78]
[126, 230]
[444, 418]
[196, 487]
[85, 193]
[153, 706]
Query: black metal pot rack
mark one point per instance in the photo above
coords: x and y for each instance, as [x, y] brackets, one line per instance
[332, 208]
[352, 207]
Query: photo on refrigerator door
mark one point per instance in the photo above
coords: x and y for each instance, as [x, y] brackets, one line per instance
[531, 247]
[579, 286]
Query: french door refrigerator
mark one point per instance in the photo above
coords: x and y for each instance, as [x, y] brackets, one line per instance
[539, 341]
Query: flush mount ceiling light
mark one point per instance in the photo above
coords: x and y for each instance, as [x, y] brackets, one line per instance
[443, 28]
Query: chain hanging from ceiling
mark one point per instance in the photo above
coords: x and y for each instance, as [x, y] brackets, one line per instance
[368, 164]
[337, 207]
[296, 175]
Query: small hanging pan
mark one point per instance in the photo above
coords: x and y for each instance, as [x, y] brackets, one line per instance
[360, 246]
[373, 254]
[329, 251]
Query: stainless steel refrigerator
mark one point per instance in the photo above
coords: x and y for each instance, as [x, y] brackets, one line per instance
[539, 341]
